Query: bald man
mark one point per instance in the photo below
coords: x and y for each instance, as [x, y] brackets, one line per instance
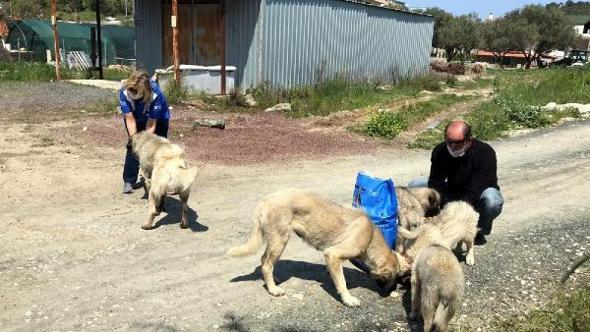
[464, 168]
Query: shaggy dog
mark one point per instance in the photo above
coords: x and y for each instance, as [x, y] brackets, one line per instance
[341, 233]
[437, 287]
[456, 224]
[163, 166]
[414, 204]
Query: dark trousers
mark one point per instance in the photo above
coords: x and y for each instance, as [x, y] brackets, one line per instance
[131, 167]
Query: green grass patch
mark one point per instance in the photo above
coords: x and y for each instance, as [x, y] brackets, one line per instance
[566, 313]
[26, 71]
[492, 119]
[476, 84]
[341, 95]
[519, 97]
[542, 86]
[388, 124]
[38, 71]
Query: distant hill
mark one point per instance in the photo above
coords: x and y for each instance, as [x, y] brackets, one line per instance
[578, 12]
[572, 8]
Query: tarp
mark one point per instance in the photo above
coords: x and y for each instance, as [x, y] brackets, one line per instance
[37, 36]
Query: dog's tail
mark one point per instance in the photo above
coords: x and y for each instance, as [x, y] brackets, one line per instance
[440, 316]
[255, 240]
[188, 175]
[407, 234]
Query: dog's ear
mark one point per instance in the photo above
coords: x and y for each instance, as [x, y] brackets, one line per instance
[434, 198]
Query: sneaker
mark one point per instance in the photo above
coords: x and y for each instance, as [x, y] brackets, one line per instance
[480, 239]
[127, 188]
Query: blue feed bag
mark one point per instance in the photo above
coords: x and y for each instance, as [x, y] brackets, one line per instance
[377, 199]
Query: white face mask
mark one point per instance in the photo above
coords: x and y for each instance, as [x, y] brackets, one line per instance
[457, 153]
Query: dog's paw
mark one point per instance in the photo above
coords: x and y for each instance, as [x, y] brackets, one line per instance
[351, 301]
[276, 291]
[470, 260]
[183, 225]
[146, 226]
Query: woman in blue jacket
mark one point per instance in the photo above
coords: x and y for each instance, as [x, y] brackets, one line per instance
[144, 107]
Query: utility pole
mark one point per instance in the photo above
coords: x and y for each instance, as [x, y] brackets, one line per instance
[98, 39]
[175, 41]
[55, 40]
[222, 46]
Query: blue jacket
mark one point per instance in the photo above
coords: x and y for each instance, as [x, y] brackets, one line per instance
[157, 109]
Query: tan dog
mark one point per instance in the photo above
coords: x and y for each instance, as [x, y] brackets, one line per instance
[438, 285]
[164, 169]
[341, 233]
[413, 206]
[456, 224]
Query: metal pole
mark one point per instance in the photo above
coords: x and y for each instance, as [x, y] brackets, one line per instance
[222, 46]
[99, 39]
[55, 39]
[174, 24]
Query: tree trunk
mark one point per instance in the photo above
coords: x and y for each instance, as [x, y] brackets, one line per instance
[529, 59]
[450, 54]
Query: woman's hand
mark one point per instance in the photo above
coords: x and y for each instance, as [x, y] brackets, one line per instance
[130, 124]
[150, 127]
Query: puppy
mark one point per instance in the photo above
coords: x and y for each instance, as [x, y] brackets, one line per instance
[163, 166]
[341, 233]
[414, 204]
[438, 285]
[456, 224]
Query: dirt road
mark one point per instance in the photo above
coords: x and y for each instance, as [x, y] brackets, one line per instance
[73, 255]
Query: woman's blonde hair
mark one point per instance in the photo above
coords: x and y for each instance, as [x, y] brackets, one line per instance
[139, 82]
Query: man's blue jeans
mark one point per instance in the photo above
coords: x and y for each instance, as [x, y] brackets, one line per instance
[131, 168]
[489, 205]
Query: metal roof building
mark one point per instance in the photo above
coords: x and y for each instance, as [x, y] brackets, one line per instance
[286, 43]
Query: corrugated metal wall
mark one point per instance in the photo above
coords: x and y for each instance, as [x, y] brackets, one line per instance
[244, 40]
[296, 42]
[148, 29]
[305, 40]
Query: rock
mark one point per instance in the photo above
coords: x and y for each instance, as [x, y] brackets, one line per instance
[211, 123]
[250, 101]
[282, 107]
[385, 87]
[551, 105]
[298, 296]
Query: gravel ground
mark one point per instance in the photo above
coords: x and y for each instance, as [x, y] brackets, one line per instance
[513, 274]
[74, 257]
[35, 102]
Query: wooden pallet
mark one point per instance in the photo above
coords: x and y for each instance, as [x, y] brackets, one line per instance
[78, 60]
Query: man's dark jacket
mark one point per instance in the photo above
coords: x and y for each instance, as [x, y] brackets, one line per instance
[467, 176]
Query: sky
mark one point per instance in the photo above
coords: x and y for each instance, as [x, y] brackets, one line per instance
[481, 7]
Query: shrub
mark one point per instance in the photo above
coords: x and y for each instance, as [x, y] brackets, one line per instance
[451, 68]
[26, 71]
[385, 124]
[528, 116]
[175, 92]
[439, 65]
[451, 80]
[478, 69]
[237, 98]
[456, 69]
